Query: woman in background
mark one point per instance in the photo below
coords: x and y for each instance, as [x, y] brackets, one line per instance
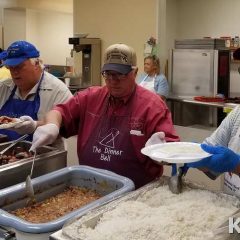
[152, 79]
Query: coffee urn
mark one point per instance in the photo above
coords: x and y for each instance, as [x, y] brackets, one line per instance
[86, 54]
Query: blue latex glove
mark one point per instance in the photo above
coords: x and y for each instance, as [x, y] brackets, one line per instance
[222, 159]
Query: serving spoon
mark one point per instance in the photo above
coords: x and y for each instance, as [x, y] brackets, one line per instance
[28, 184]
[175, 182]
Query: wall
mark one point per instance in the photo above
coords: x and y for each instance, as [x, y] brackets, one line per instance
[215, 18]
[171, 30]
[50, 32]
[47, 24]
[212, 18]
[14, 25]
[1, 28]
[48, 5]
[131, 22]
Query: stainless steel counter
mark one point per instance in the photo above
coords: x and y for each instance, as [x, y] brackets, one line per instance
[190, 99]
[188, 112]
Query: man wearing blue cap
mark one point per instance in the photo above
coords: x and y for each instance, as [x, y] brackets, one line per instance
[31, 92]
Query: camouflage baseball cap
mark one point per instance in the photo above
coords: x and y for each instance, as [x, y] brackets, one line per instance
[120, 58]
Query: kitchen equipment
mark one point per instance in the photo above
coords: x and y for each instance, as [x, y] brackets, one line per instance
[48, 159]
[106, 183]
[28, 184]
[203, 43]
[199, 67]
[86, 54]
[12, 144]
[81, 35]
[72, 229]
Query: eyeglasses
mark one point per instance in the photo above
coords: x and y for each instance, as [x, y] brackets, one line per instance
[110, 75]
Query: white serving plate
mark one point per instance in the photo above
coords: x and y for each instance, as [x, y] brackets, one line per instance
[175, 152]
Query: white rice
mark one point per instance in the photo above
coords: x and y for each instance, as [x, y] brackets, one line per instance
[161, 215]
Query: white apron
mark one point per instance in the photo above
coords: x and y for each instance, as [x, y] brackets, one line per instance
[232, 183]
[148, 84]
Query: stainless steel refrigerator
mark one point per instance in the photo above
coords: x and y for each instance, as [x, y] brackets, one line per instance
[198, 70]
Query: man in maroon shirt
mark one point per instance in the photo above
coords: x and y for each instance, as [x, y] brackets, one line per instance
[113, 122]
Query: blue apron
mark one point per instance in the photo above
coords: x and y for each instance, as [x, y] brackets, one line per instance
[17, 108]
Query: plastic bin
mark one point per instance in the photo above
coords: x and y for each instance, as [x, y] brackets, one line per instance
[107, 183]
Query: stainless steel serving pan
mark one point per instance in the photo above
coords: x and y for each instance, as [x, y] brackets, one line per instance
[70, 230]
[47, 160]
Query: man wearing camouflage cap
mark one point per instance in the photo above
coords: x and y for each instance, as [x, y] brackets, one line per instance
[112, 122]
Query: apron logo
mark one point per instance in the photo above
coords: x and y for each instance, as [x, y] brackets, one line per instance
[108, 143]
[108, 140]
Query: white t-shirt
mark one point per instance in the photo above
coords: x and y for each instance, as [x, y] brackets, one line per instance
[52, 92]
[228, 135]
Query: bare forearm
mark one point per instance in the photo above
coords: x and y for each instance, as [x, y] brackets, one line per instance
[53, 117]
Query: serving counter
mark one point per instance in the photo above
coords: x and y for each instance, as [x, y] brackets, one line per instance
[189, 112]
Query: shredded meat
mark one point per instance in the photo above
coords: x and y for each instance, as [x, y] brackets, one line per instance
[52, 208]
[5, 119]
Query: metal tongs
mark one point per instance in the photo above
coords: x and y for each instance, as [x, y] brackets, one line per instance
[12, 144]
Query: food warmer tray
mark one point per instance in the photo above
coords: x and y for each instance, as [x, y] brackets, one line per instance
[106, 183]
[92, 218]
[48, 159]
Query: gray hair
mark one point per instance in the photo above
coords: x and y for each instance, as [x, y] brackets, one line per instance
[156, 62]
[35, 61]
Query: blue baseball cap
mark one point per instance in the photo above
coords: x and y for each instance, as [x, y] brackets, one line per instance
[3, 55]
[18, 52]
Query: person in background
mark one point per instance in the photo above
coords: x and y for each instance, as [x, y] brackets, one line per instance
[31, 92]
[4, 72]
[112, 122]
[224, 147]
[152, 79]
